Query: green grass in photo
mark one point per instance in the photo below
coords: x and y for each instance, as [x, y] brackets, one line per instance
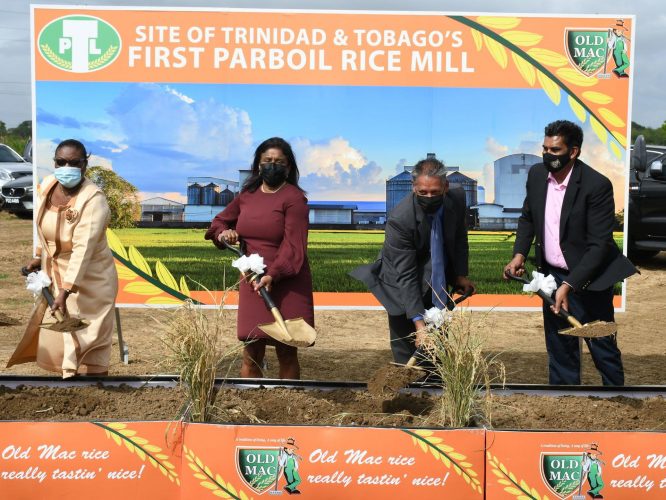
[332, 255]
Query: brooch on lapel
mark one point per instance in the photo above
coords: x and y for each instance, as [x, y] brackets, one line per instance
[71, 215]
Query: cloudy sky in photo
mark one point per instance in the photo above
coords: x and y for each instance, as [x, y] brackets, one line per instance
[347, 140]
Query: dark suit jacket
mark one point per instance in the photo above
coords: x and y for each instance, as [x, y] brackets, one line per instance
[400, 276]
[586, 228]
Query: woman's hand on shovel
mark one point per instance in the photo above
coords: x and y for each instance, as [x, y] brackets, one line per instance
[266, 281]
[228, 235]
[60, 303]
[33, 265]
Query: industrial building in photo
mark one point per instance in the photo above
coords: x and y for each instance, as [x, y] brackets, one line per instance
[510, 178]
[160, 209]
[399, 186]
[208, 196]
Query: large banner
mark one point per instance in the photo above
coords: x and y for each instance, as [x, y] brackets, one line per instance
[575, 465]
[172, 460]
[168, 460]
[176, 100]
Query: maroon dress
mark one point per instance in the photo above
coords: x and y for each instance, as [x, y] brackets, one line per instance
[275, 226]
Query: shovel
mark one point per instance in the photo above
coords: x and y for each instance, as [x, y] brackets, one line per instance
[62, 323]
[395, 376]
[593, 329]
[294, 332]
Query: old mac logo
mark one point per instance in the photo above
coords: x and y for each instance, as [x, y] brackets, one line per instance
[79, 44]
[562, 473]
[258, 467]
[587, 50]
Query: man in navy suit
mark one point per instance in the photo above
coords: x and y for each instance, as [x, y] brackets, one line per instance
[425, 254]
[569, 213]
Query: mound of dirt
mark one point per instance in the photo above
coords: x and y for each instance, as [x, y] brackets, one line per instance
[279, 406]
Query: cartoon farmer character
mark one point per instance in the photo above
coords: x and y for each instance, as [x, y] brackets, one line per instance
[617, 43]
[592, 467]
[288, 461]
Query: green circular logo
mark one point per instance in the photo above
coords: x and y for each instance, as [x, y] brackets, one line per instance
[80, 44]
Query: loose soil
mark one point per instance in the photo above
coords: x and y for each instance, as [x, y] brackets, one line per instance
[351, 345]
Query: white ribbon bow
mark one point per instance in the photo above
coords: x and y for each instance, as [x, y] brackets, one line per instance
[254, 263]
[36, 281]
[436, 317]
[541, 282]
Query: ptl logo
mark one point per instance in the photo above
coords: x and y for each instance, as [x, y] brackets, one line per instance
[80, 44]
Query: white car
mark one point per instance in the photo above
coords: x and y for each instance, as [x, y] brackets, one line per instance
[12, 167]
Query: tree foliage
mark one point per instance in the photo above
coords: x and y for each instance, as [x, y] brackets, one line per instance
[121, 195]
[655, 136]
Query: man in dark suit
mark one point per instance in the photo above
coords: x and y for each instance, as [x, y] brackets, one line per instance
[425, 254]
[569, 213]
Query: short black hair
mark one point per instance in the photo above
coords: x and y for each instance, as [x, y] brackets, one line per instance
[572, 133]
[73, 143]
[430, 167]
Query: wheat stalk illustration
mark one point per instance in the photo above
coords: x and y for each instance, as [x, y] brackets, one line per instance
[55, 58]
[447, 455]
[104, 58]
[141, 447]
[214, 483]
[134, 265]
[550, 70]
[520, 489]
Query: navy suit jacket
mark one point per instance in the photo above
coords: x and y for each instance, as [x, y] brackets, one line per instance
[400, 276]
[586, 228]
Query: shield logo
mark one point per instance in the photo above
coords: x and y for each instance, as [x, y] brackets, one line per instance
[258, 467]
[562, 473]
[587, 49]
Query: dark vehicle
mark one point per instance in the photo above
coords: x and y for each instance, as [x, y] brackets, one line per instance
[18, 196]
[12, 166]
[647, 200]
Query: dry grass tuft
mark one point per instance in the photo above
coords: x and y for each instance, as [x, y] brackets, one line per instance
[466, 373]
[193, 337]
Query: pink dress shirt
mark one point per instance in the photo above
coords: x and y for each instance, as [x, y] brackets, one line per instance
[551, 228]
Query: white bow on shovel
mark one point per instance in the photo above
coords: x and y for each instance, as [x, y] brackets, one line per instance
[546, 284]
[38, 282]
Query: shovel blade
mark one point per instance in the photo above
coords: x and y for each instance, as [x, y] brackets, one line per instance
[594, 329]
[297, 334]
[66, 325]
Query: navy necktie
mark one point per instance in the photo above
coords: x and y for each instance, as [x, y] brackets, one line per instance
[438, 259]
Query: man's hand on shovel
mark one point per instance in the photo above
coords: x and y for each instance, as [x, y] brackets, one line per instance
[561, 298]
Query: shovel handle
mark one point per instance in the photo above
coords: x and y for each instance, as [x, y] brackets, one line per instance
[548, 300]
[237, 251]
[268, 300]
[464, 296]
[414, 360]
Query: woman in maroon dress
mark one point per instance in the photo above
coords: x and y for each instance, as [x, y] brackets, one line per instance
[270, 215]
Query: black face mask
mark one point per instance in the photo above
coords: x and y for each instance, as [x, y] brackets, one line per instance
[273, 174]
[430, 204]
[555, 163]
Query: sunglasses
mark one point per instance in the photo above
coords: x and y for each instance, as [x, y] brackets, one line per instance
[79, 163]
